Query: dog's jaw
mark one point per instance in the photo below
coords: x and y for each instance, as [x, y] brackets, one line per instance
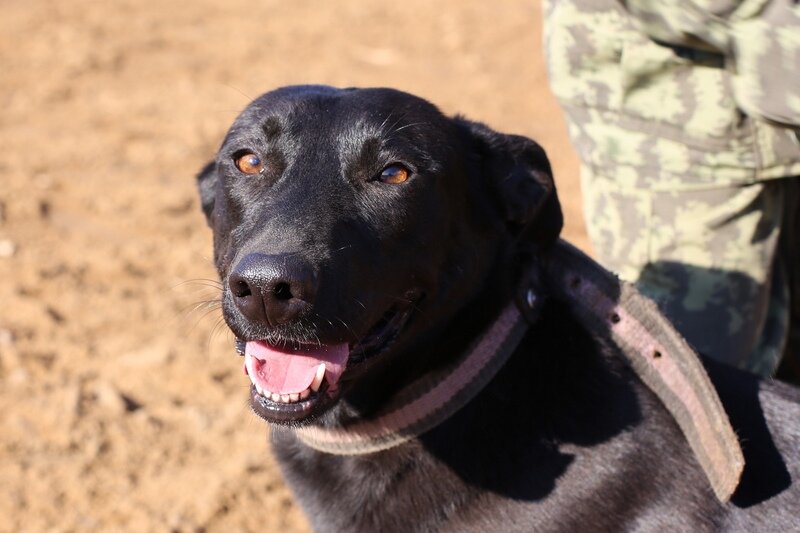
[296, 385]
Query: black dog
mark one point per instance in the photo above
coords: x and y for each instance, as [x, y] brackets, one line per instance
[366, 243]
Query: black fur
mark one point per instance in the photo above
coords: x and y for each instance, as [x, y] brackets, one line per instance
[565, 438]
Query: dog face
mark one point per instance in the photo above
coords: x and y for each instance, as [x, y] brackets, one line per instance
[350, 223]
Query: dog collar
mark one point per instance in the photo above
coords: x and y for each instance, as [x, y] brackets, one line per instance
[656, 352]
[429, 401]
[607, 308]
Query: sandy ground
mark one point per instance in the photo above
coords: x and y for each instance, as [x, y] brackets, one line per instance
[122, 403]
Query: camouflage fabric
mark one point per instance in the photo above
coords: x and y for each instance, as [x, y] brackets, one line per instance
[761, 36]
[679, 113]
[709, 258]
[664, 115]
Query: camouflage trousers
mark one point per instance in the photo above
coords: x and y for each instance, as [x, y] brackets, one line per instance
[716, 259]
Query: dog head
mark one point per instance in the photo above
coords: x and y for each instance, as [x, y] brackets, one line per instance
[350, 223]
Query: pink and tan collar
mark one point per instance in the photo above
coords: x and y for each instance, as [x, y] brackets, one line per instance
[608, 308]
[429, 401]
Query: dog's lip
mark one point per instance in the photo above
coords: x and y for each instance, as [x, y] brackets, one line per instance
[277, 412]
[384, 330]
[381, 335]
[377, 340]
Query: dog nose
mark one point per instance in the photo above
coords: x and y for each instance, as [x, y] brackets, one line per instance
[272, 289]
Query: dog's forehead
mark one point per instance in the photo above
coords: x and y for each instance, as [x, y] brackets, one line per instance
[321, 107]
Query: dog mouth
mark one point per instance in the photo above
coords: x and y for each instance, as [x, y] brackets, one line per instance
[290, 384]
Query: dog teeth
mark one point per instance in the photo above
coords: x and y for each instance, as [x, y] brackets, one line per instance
[283, 398]
[318, 378]
[295, 396]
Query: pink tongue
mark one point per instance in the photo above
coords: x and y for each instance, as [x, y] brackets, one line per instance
[286, 371]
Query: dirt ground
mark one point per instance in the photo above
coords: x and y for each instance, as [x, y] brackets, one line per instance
[122, 402]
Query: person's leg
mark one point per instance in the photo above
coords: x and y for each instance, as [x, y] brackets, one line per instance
[706, 257]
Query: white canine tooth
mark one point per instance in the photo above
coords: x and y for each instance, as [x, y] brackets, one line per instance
[258, 388]
[275, 397]
[294, 397]
[305, 394]
[318, 377]
[285, 398]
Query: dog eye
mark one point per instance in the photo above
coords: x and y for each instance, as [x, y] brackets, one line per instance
[394, 174]
[249, 163]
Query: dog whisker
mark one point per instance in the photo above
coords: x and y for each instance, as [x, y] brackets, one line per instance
[203, 307]
[345, 247]
[408, 126]
[238, 90]
[385, 120]
[219, 327]
[347, 326]
[383, 130]
[319, 342]
[199, 281]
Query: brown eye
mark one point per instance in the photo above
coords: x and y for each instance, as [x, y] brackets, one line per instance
[249, 163]
[394, 174]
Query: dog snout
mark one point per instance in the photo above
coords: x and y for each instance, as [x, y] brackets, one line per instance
[272, 289]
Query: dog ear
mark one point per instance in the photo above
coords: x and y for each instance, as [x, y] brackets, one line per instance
[207, 186]
[519, 174]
